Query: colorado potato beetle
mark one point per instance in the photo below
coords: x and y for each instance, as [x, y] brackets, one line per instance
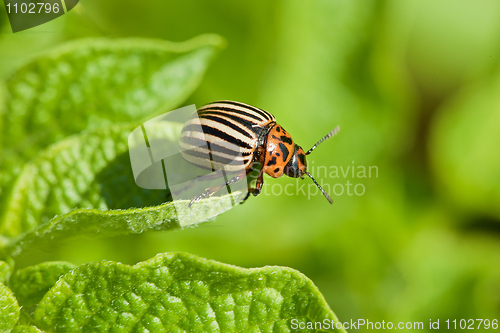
[249, 136]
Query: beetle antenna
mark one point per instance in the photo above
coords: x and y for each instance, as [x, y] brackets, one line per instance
[328, 136]
[321, 189]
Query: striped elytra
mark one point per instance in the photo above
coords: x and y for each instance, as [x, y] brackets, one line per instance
[240, 138]
[228, 131]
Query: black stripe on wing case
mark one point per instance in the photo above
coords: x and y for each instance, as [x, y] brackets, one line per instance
[255, 127]
[215, 158]
[209, 108]
[217, 133]
[215, 148]
[213, 116]
[224, 136]
[263, 113]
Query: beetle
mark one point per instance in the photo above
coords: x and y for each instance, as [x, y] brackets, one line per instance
[240, 138]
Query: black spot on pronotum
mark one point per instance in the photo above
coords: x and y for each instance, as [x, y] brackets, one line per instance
[286, 139]
[274, 136]
[278, 129]
[302, 158]
[284, 150]
[276, 170]
[272, 161]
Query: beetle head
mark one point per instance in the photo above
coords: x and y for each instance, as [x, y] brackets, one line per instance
[297, 166]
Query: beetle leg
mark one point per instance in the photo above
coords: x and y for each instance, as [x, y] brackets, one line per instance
[245, 198]
[250, 177]
[258, 187]
[259, 157]
[211, 190]
[255, 191]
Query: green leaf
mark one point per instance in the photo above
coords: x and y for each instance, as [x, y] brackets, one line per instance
[180, 292]
[92, 170]
[5, 271]
[31, 283]
[99, 223]
[87, 83]
[9, 309]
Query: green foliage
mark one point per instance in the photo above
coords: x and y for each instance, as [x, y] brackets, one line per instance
[5, 271]
[30, 284]
[108, 223]
[9, 309]
[179, 292]
[91, 169]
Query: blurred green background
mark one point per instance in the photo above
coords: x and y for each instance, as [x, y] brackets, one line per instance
[415, 88]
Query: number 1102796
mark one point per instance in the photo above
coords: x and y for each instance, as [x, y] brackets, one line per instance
[471, 324]
[32, 8]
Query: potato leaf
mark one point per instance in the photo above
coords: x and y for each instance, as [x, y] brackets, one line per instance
[9, 309]
[92, 170]
[31, 283]
[180, 292]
